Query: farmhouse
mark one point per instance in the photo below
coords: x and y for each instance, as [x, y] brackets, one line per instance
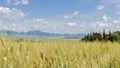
[100, 34]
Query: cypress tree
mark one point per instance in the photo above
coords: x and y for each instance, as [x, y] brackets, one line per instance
[104, 34]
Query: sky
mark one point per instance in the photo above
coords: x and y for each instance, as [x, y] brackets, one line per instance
[60, 16]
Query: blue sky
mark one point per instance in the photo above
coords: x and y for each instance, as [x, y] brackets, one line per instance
[60, 16]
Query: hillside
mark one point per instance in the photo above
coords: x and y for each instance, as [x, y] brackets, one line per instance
[37, 33]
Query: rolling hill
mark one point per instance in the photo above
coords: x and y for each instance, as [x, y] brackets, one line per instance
[37, 33]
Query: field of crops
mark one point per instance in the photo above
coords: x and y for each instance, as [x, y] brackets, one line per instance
[58, 53]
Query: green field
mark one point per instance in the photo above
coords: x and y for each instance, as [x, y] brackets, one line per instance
[58, 53]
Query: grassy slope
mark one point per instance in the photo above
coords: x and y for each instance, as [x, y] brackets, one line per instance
[58, 53]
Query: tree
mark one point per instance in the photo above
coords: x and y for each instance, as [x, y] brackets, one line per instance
[104, 35]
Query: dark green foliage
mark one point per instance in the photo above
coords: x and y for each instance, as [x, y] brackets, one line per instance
[92, 37]
[115, 36]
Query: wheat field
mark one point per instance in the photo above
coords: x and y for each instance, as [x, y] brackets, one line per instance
[58, 53]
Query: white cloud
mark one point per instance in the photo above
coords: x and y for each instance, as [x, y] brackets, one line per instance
[21, 2]
[17, 2]
[75, 13]
[118, 6]
[118, 13]
[25, 1]
[93, 24]
[14, 25]
[110, 2]
[34, 27]
[67, 17]
[106, 18]
[116, 21]
[8, 1]
[100, 24]
[5, 28]
[39, 20]
[82, 26]
[103, 24]
[100, 7]
[71, 24]
[11, 13]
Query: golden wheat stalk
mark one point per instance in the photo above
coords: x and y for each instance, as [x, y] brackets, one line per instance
[3, 42]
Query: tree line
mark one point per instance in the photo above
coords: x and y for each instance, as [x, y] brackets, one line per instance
[115, 36]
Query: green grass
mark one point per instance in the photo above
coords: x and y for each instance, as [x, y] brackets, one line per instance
[58, 53]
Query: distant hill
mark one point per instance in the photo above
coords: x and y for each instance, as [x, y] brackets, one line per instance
[37, 33]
